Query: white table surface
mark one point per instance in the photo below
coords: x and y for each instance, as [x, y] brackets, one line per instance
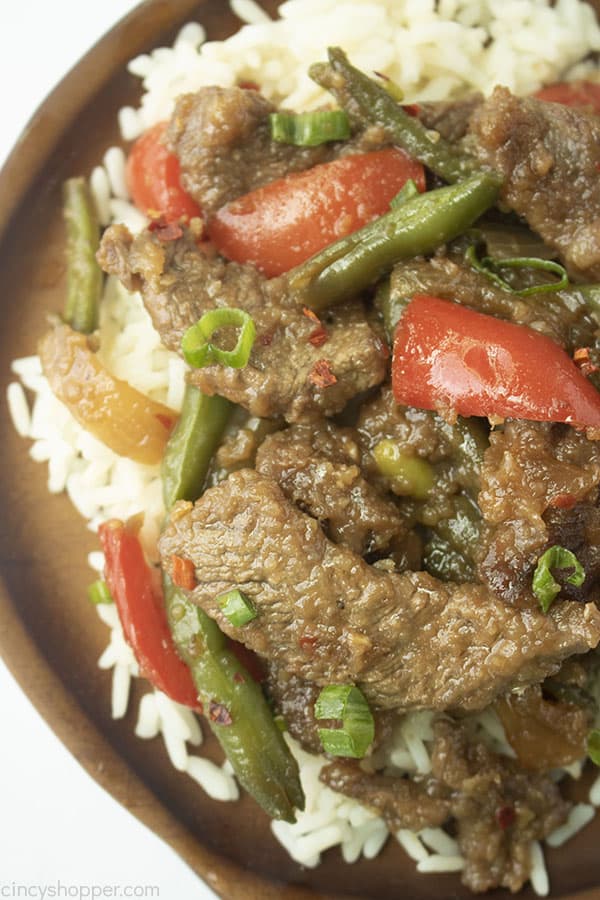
[60, 833]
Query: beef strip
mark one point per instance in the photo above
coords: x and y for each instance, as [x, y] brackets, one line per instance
[284, 376]
[407, 640]
[562, 316]
[549, 155]
[495, 807]
[450, 117]
[294, 699]
[222, 137]
[498, 809]
[223, 141]
[317, 466]
[402, 802]
[539, 487]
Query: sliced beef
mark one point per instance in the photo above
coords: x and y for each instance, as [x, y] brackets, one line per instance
[549, 155]
[402, 802]
[498, 809]
[317, 466]
[294, 699]
[222, 137]
[408, 640]
[495, 809]
[539, 487]
[286, 375]
[562, 316]
[450, 117]
[223, 141]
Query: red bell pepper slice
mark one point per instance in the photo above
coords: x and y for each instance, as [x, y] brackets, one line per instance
[449, 357]
[153, 177]
[282, 224]
[137, 592]
[581, 94]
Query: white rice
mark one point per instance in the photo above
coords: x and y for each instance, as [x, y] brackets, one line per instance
[431, 51]
[580, 815]
[539, 875]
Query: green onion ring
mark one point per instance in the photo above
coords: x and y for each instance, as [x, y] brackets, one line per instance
[236, 607]
[488, 266]
[310, 129]
[199, 351]
[345, 702]
[545, 587]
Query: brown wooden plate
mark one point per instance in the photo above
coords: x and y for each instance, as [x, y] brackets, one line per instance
[49, 638]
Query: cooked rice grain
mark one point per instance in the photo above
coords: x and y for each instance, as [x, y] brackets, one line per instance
[18, 408]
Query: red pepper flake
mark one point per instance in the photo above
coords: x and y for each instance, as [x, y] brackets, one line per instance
[239, 678]
[248, 85]
[318, 337]
[321, 375]
[265, 339]
[183, 573]
[219, 714]
[505, 817]
[166, 421]
[307, 643]
[165, 231]
[412, 109]
[563, 501]
[582, 360]
[311, 314]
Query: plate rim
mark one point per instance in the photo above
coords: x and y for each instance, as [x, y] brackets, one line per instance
[23, 657]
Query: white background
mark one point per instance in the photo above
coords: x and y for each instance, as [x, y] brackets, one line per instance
[56, 824]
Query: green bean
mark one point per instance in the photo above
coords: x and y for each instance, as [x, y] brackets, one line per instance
[472, 443]
[192, 444]
[418, 226]
[390, 304]
[409, 475]
[462, 529]
[236, 709]
[234, 704]
[369, 102]
[84, 275]
[443, 561]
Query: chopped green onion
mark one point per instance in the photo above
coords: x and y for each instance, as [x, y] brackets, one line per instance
[489, 267]
[406, 192]
[199, 351]
[310, 129]
[545, 586]
[593, 746]
[345, 702]
[236, 607]
[98, 592]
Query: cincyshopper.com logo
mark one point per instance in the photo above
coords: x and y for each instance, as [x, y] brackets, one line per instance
[58, 890]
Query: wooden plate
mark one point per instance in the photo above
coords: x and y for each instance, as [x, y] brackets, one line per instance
[49, 638]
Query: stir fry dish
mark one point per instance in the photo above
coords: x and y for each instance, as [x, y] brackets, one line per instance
[381, 493]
